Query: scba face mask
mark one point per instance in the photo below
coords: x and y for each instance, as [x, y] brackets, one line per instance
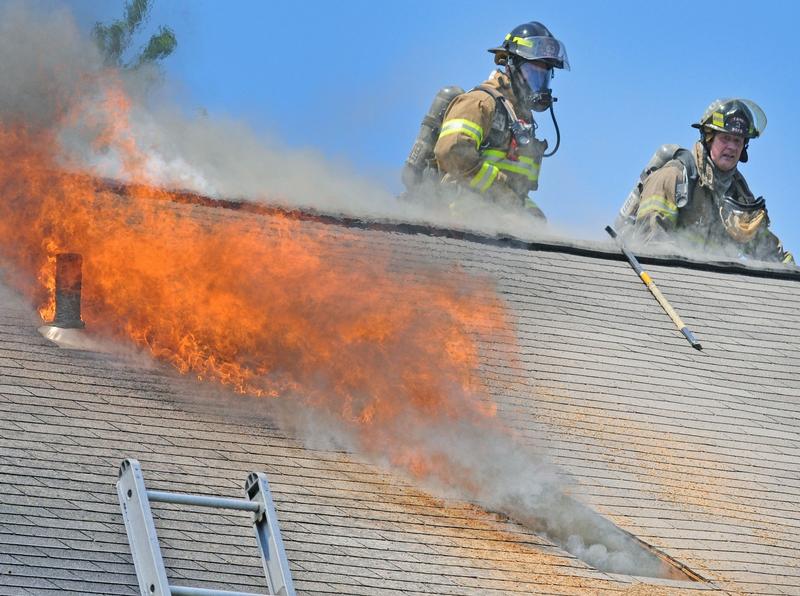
[742, 220]
[534, 80]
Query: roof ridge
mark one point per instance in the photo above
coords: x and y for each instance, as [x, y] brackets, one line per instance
[585, 248]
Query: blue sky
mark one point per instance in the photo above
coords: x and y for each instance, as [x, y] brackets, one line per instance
[352, 80]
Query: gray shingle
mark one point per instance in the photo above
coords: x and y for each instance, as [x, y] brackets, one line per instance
[696, 452]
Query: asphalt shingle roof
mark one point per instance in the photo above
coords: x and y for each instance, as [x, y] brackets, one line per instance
[695, 453]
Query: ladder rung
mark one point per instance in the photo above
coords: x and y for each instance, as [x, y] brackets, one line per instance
[202, 501]
[184, 591]
[134, 500]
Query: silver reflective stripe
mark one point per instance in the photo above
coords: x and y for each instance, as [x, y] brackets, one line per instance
[525, 166]
[660, 205]
[462, 125]
[485, 177]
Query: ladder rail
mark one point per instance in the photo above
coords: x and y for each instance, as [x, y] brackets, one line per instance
[268, 536]
[141, 530]
[134, 501]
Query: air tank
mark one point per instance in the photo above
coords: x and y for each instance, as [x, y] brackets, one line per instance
[421, 157]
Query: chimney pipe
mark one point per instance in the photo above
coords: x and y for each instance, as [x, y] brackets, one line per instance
[68, 291]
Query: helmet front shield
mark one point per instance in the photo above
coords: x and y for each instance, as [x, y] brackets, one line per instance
[536, 77]
[547, 49]
[758, 117]
[735, 116]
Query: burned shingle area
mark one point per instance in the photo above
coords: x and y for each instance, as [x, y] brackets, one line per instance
[693, 453]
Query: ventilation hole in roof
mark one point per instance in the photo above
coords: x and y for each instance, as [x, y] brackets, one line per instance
[599, 542]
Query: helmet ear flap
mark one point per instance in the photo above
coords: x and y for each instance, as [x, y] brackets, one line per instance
[706, 136]
[744, 157]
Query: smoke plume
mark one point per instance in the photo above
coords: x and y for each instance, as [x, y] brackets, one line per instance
[345, 334]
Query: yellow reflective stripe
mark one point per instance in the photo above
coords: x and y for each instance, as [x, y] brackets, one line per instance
[493, 153]
[525, 166]
[516, 168]
[534, 167]
[489, 182]
[788, 259]
[461, 125]
[660, 205]
[485, 177]
[523, 42]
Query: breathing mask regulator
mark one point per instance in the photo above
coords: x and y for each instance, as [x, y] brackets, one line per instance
[531, 84]
[530, 53]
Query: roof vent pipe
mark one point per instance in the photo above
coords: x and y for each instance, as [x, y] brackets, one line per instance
[68, 291]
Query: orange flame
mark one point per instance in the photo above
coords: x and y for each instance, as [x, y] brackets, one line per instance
[268, 306]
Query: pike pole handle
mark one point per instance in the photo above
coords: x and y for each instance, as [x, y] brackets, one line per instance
[648, 281]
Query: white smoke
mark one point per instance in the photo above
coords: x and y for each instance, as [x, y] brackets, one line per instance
[50, 70]
[487, 466]
[45, 60]
[47, 68]
[223, 158]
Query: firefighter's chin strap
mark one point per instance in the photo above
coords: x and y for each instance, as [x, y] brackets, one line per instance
[555, 125]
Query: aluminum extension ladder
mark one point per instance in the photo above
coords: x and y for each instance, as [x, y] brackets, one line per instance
[134, 499]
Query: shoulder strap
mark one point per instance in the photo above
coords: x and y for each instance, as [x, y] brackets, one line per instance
[499, 97]
[522, 133]
[685, 189]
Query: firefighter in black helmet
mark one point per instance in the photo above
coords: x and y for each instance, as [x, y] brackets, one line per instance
[486, 146]
[720, 216]
[530, 53]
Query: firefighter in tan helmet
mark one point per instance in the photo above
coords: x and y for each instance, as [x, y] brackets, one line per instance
[716, 212]
[487, 144]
